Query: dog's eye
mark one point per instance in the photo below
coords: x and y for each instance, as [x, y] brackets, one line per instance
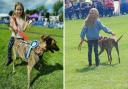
[53, 42]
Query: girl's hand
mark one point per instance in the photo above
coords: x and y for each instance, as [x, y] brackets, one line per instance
[27, 24]
[80, 44]
[30, 21]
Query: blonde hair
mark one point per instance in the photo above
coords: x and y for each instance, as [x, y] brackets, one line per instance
[19, 4]
[89, 21]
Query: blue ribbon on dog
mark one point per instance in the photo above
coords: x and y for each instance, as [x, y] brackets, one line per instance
[34, 44]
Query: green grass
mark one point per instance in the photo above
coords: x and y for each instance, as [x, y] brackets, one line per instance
[77, 73]
[50, 78]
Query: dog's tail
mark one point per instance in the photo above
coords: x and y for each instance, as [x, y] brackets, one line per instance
[119, 38]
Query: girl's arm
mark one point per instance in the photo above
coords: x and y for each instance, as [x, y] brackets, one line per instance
[83, 32]
[82, 35]
[13, 26]
[104, 28]
[26, 25]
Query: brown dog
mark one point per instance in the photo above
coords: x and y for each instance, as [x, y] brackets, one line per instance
[20, 47]
[107, 43]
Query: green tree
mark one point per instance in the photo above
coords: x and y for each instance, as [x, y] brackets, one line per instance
[27, 11]
[31, 11]
[47, 15]
[57, 6]
[10, 13]
[61, 17]
[42, 8]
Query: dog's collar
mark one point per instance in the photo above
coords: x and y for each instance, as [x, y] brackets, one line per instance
[43, 50]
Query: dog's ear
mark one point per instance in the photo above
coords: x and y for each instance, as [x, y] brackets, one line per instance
[43, 38]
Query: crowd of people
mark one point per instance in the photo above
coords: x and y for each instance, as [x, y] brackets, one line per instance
[79, 10]
[53, 22]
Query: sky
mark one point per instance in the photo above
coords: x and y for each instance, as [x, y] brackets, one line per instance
[8, 5]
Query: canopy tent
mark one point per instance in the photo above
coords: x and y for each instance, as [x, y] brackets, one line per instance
[4, 18]
[34, 16]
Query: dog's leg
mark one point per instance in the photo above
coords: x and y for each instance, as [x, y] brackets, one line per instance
[14, 58]
[117, 49]
[14, 67]
[29, 76]
[110, 58]
[101, 51]
[108, 54]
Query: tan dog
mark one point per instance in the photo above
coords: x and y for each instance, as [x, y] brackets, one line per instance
[19, 49]
[107, 43]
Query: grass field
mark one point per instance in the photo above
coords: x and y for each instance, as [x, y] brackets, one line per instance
[52, 75]
[77, 73]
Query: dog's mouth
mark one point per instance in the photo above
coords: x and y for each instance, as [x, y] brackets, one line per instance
[53, 49]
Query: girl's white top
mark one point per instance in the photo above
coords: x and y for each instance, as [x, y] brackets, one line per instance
[19, 27]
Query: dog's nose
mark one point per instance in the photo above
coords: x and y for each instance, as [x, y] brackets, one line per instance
[57, 49]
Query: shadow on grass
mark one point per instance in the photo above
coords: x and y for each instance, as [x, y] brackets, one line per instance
[86, 69]
[93, 67]
[107, 64]
[23, 63]
[45, 69]
[42, 67]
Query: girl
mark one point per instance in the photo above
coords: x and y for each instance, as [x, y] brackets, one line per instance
[17, 26]
[91, 29]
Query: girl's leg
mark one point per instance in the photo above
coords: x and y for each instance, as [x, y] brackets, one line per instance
[90, 52]
[10, 45]
[96, 52]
